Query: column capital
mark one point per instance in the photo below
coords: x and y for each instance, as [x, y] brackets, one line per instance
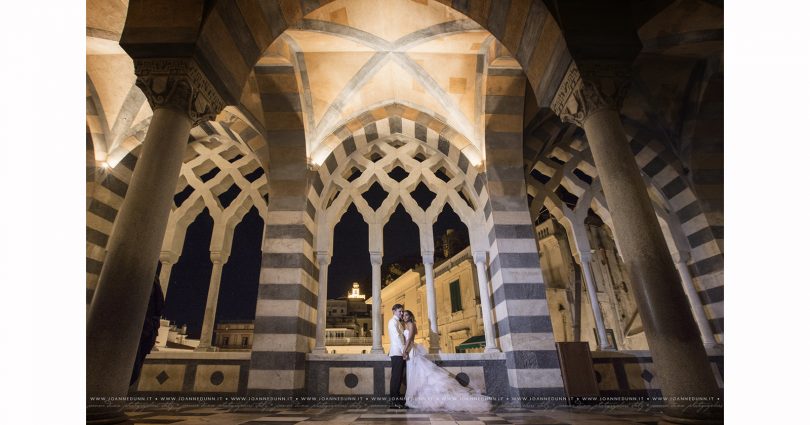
[480, 256]
[376, 258]
[180, 84]
[323, 258]
[219, 257]
[427, 257]
[586, 256]
[169, 257]
[589, 87]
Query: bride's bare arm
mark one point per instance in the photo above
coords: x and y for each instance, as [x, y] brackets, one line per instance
[411, 333]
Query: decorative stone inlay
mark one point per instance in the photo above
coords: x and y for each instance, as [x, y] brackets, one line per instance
[178, 83]
[162, 377]
[351, 380]
[463, 379]
[217, 377]
[590, 87]
[646, 375]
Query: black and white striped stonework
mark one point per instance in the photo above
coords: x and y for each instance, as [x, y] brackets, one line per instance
[286, 307]
[664, 172]
[235, 34]
[706, 254]
[519, 292]
[109, 187]
[396, 119]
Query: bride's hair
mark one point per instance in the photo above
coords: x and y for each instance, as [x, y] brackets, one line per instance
[410, 314]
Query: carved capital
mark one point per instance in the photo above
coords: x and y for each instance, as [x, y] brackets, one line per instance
[376, 258]
[178, 83]
[324, 258]
[590, 87]
[480, 257]
[169, 257]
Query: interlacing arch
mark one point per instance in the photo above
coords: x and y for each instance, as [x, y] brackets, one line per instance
[563, 169]
[377, 164]
[223, 176]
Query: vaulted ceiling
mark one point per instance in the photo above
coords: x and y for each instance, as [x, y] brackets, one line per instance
[352, 55]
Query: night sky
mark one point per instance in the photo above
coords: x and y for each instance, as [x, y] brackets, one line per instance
[188, 287]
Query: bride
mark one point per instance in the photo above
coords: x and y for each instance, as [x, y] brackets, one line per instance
[430, 387]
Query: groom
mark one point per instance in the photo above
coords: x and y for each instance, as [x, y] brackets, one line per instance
[398, 357]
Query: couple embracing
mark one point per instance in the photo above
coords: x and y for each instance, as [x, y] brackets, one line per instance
[427, 386]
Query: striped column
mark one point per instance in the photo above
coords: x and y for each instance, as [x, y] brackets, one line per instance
[287, 301]
[519, 293]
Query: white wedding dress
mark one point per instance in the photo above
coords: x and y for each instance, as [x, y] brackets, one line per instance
[430, 387]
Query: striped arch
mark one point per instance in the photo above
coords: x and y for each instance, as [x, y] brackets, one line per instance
[392, 118]
[660, 167]
[110, 185]
[234, 34]
[400, 124]
[236, 167]
[396, 150]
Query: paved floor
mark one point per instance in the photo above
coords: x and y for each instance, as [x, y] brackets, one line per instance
[382, 415]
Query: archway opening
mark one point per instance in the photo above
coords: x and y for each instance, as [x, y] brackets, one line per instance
[239, 287]
[350, 261]
[400, 246]
[188, 285]
[450, 234]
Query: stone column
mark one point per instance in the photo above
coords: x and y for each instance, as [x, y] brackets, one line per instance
[585, 260]
[694, 300]
[590, 96]
[376, 301]
[480, 258]
[181, 97]
[320, 329]
[206, 344]
[167, 260]
[427, 259]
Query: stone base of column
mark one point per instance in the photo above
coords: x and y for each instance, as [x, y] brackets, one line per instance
[107, 416]
[377, 351]
[320, 350]
[492, 350]
[434, 343]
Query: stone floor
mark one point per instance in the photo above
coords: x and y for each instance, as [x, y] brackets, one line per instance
[382, 415]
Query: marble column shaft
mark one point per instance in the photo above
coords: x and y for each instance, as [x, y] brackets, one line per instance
[590, 97]
[433, 340]
[209, 319]
[320, 328]
[116, 314]
[180, 96]
[587, 271]
[376, 302]
[480, 259]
